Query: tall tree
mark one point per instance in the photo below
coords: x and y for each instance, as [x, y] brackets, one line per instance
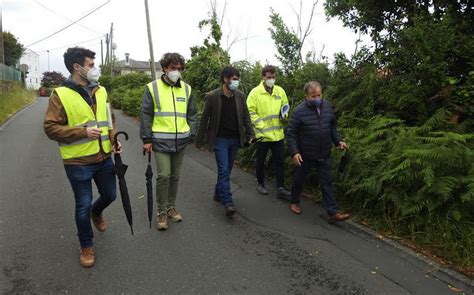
[287, 43]
[13, 49]
[425, 50]
[207, 60]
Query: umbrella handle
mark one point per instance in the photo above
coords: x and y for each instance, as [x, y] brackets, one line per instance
[149, 155]
[117, 134]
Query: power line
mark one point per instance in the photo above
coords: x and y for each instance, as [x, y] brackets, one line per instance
[64, 17]
[70, 45]
[60, 30]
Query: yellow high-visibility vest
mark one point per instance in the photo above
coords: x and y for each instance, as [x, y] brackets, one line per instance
[80, 114]
[170, 105]
[264, 109]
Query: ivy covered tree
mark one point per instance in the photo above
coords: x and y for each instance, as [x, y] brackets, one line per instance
[207, 60]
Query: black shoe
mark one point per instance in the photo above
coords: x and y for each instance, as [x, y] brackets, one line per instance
[262, 189]
[229, 211]
[283, 194]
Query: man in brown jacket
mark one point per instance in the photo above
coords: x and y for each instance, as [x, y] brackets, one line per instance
[79, 119]
[225, 123]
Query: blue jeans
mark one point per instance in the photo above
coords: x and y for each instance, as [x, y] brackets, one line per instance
[325, 179]
[80, 177]
[225, 150]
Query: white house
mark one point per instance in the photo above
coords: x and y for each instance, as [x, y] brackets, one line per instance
[31, 60]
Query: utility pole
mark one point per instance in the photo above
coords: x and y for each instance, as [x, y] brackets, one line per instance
[2, 56]
[112, 50]
[101, 52]
[49, 69]
[107, 49]
[150, 43]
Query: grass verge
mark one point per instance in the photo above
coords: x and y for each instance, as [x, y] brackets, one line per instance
[13, 97]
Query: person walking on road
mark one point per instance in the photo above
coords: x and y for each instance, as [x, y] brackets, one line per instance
[167, 123]
[265, 103]
[310, 135]
[225, 123]
[79, 119]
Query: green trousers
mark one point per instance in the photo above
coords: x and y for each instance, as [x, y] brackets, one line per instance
[168, 166]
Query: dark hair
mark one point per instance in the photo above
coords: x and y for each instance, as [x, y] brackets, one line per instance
[229, 72]
[268, 69]
[76, 55]
[171, 58]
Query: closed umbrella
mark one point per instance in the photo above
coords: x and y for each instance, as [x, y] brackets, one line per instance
[120, 170]
[149, 189]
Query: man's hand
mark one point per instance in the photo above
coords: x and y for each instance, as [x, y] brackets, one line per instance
[342, 145]
[117, 150]
[147, 147]
[298, 159]
[252, 140]
[93, 132]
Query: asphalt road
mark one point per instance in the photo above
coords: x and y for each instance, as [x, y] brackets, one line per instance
[264, 249]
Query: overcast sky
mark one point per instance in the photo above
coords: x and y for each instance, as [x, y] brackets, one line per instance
[174, 27]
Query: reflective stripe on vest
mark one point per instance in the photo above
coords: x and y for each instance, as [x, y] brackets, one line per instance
[84, 140]
[80, 114]
[170, 106]
[266, 112]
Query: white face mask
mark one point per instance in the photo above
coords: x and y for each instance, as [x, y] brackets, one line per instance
[234, 84]
[270, 82]
[174, 76]
[93, 74]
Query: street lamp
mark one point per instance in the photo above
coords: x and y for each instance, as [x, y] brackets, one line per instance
[49, 70]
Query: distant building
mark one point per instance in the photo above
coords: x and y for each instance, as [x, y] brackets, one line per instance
[29, 61]
[129, 65]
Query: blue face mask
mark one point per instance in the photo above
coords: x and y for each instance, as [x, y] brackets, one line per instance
[316, 102]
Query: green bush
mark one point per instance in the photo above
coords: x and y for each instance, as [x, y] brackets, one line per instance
[414, 181]
[132, 101]
[126, 92]
[106, 81]
[132, 80]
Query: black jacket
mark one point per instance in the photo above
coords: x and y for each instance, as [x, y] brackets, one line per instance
[312, 134]
[211, 116]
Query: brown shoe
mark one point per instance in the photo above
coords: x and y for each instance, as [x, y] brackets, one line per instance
[162, 222]
[86, 258]
[99, 222]
[295, 208]
[174, 215]
[338, 217]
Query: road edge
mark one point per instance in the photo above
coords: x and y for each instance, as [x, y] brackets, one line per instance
[15, 114]
[454, 275]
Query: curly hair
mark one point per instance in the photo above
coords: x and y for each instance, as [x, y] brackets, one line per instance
[171, 58]
[76, 55]
[268, 69]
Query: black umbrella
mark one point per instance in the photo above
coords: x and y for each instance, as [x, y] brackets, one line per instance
[344, 161]
[149, 188]
[120, 170]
